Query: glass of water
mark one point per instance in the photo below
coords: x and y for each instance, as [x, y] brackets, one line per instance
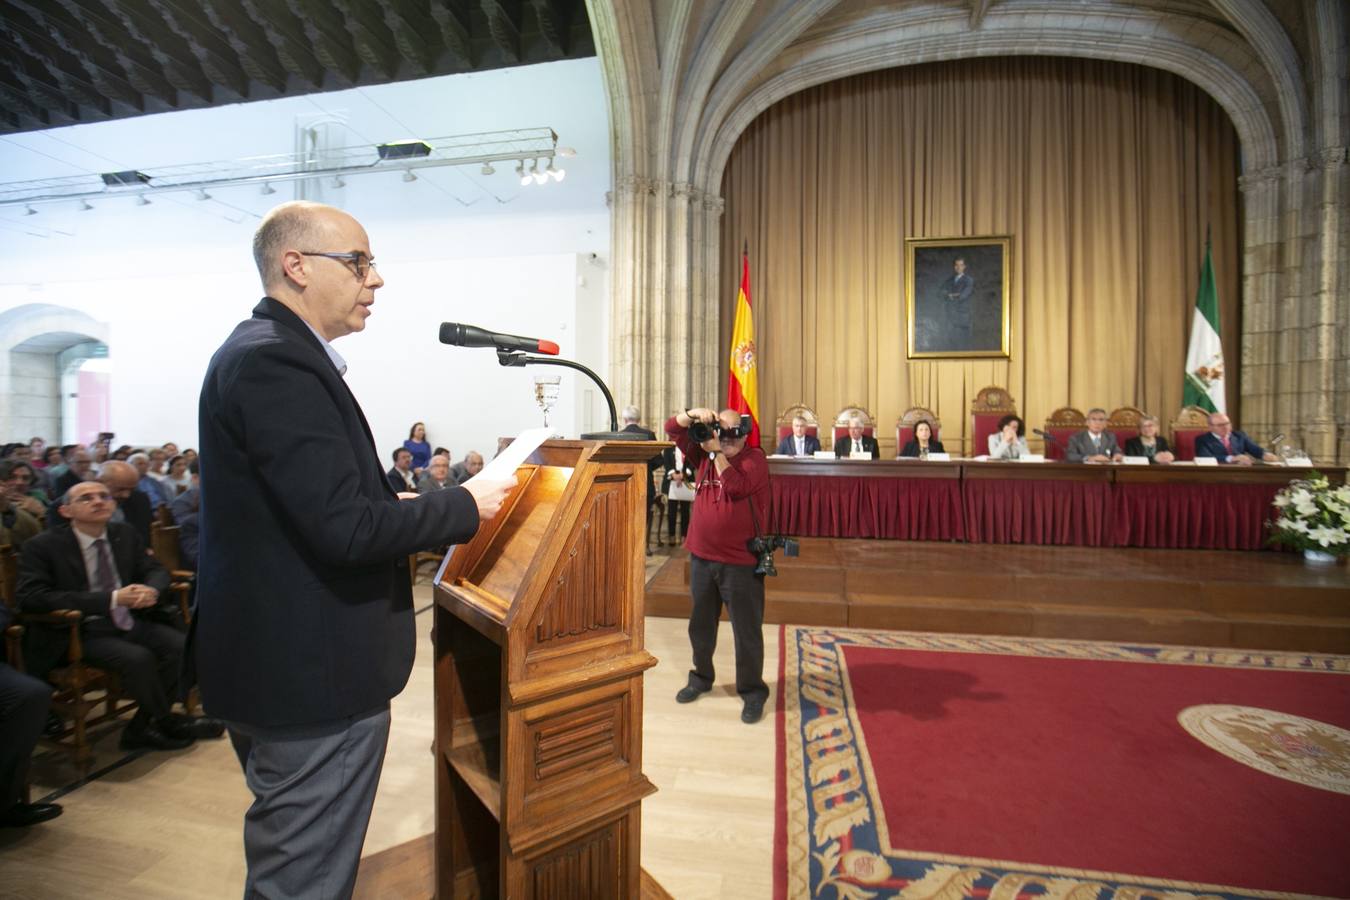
[546, 390]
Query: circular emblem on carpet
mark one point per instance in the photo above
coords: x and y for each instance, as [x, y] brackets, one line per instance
[1286, 746]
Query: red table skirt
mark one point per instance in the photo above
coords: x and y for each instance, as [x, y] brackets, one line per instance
[909, 509]
[1188, 516]
[1038, 512]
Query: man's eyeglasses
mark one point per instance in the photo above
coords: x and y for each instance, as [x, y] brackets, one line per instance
[360, 262]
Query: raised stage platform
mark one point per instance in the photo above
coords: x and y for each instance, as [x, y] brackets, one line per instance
[1212, 598]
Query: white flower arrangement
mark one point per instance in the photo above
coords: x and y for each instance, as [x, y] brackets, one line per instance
[1313, 515]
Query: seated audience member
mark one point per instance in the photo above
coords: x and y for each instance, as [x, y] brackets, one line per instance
[147, 483]
[25, 491]
[1096, 444]
[1009, 442]
[56, 461]
[401, 476]
[190, 455]
[185, 508]
[102, 569]
[799, 443]
[170, 450]
[176, 478]
[1149, 443]
[417, 445]
[122, 452]
[77, 470]
[157, 460]
[133, 506]
[36, 448]
[923, 442]
[17, 524]
[23, 713]
[1229, 446]
[437, 476]
[856, 442]
[469, 466]
[98, 456]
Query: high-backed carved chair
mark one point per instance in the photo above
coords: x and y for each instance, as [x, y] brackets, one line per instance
[991, 404]
[1189, 424]
[1062, 424]
[79, 689]
[904, 426]
[840, 429]
[783, 426]
[1124, 422]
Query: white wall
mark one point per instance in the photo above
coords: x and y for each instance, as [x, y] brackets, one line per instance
[35, 408]
[173, 278]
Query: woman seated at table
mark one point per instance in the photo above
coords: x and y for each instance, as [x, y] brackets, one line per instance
[1009, 442]
[1149, 443]
[923, 442]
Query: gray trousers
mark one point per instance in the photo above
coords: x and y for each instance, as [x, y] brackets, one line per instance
[313, 788]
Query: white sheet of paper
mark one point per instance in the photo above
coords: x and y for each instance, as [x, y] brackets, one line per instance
[1135, 460]
[680, 491]
[505, 465]
[939, 457]
[1206, 461]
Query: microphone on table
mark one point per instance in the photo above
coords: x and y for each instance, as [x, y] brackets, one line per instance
[460, 335]
[1276, 439]
[1047, 436]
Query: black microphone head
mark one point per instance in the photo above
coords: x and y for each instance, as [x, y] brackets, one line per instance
[452, 333]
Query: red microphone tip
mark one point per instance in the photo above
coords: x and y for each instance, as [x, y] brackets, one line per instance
[548, 347]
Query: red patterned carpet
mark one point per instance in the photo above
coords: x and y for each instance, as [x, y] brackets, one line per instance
[1002, 767]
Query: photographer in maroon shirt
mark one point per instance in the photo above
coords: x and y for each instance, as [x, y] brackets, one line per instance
[731, 504]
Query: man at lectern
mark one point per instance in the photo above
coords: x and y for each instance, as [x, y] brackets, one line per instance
[304, 623]
[731, 506]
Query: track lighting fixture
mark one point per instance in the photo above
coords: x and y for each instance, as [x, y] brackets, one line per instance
[84, 206]
[267, 189]
[487, 169]
[408, 175]
[142, 200]
[28, 210]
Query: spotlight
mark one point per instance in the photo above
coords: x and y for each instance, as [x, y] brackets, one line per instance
[539, 176]
[202, 194]
[487, 169]
[409, 176]
[338, 182]
[28, 210]
[142, 200]
[558, 174]
[520, 170]
[267, 189]
[84, 206]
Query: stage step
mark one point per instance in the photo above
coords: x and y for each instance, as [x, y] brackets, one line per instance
[1256, 600]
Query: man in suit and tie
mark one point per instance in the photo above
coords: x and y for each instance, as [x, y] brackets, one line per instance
[102, 569]
[1095, 444]
[799, 443]
[856, 442]
[304, 623]
[954, 295]
[1229, 446]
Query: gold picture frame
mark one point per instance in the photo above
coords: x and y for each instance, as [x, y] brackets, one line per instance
[957, 297]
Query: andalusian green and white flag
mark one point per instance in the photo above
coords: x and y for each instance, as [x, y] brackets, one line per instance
[1204, 358]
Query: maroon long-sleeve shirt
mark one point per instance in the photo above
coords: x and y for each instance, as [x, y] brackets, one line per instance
[721, 525]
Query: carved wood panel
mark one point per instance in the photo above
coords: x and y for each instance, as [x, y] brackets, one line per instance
[576, 743]
[584, 599]
[589, 868]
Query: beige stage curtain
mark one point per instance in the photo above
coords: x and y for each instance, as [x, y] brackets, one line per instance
[1105, 175]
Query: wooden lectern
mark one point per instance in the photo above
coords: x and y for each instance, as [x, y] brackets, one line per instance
[539, 662]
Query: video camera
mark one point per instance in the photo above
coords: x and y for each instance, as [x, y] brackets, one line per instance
[763, 546]
[702, 431]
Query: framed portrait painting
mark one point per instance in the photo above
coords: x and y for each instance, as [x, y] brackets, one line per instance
[956, 297]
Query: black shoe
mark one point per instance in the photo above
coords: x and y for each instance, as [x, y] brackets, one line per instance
[21, 815]
[54, 726]
[688, 694]
[149, 736]
[181, 726]
[752, 712]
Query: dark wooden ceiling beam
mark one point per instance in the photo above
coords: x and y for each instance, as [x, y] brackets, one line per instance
[250, 43]
[454, 25]
[287, 38]
[154, 37]
[29, 38]
[504, 25]
[555, 24]
[402, 18]
[371, 38]
[143, 76]
[52, 107]
[211, 51]
[99, 67]
[329, 39]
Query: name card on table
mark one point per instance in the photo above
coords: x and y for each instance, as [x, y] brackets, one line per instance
[824, 454]
[860, 454]
[939, 457]
[1206, 461]
[1299, 462]
[1134, 460]
[1031, 457]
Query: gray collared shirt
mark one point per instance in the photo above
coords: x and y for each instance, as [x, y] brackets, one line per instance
[333, 356]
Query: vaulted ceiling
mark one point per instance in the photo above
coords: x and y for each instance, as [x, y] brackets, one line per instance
[70, 61]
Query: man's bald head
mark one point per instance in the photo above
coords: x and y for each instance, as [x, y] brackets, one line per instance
[298, 225]
[121, 478]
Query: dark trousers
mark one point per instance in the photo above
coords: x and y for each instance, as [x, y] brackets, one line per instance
[23, 712]
[711, 585]
[146, 658]
[678, 508]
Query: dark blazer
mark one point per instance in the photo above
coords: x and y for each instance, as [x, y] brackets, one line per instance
[1208, 445]
[396, 482]
[788, 445]
[912, 447]
[304, 606]
[653, 464]
[1135, 447]
[844, 445]
[52, 577]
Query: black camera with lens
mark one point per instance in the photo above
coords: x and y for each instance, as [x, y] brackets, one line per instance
[763, 547]
[701, 431]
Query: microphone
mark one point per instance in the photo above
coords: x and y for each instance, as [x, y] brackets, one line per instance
[1276, 439]
[1049, 438]
[460, 335]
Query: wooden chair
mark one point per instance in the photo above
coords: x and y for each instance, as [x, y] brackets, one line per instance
[783, 426]
[991, 404]
[164, 516]
[79, 689]
[164, 544]
[840, 429]
[904, 426]
[415, 561]
[1124, 423]
[1062, 424]
[1189, 424]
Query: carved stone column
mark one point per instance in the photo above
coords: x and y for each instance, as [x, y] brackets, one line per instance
[1262, 384]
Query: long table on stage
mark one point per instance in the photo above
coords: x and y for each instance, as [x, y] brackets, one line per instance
[1177, 506]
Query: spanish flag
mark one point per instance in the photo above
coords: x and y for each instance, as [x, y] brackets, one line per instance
[743, 379]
